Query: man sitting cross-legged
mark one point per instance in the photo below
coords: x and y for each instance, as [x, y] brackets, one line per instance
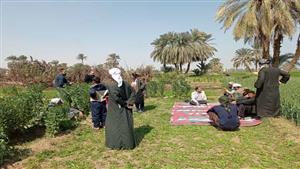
[225, 115]
[198, 97]
[246, 104]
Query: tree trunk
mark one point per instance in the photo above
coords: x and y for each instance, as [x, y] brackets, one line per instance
[296, 57]
[266, 47]
[164, 66]
[256, 66]
[180, 67]
[176, 66]
[188, 68]
[276, 47]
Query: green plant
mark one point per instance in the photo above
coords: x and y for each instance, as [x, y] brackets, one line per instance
[152, 89]
[180, 87]
[18, 112]
[4, 148]
[76, 96]
[57, 120]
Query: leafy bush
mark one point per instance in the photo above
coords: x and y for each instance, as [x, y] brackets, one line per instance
[57, 120]
[180, 87]
[167, 69]
[197, 72]
[21, 111]
[155, 88]
[4, 148]
[168, 82]
[76, 96]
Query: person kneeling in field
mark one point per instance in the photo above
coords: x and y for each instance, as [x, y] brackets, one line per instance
[198, 97]
[246, 104]
[225, 115]
[98, 93]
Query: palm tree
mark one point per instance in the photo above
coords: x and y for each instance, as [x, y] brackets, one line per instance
[112, 61]
[182, 48]
[285, 16]
[243, 57]
[163, 49]
[215, 65]
[12, 58]
[259, 21]
[202, 48]
[81, 57]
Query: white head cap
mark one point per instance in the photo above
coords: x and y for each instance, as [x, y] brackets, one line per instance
[116, 75]
[236, 85]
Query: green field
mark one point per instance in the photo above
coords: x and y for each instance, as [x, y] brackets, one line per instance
[273, 144]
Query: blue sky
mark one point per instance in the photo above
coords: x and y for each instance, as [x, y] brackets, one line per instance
[59, 30]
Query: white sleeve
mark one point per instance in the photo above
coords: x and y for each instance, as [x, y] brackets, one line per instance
[194, 96]
[204, 96]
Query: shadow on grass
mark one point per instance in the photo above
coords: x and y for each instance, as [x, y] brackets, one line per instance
[28, 135]
[15, 155]
[141, 131]
[150, 107]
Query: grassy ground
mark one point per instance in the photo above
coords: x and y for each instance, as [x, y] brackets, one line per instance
[273, 144]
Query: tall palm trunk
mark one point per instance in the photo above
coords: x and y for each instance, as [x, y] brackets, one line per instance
[295, 58]
[164, 66]
[266, 47]
[256, 65]
[188, 68]
[180, 67]
[276, 47]
[176, 66]
[265, 41]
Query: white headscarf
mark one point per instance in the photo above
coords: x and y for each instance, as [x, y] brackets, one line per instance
[116, 75]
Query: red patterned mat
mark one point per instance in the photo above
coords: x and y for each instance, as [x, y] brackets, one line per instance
[186, 114]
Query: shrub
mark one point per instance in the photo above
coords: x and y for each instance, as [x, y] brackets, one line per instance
[180, 87]
[57, 120]
[152, 89]
[21, 111]
[156, 88]
[76, 96]
[167, 69]
[197, 72]
[4, 148]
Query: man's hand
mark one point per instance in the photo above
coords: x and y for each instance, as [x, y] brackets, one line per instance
[129, 106]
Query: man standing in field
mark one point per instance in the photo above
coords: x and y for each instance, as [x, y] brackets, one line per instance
[139, 88]
[267, 85]
[60, 80]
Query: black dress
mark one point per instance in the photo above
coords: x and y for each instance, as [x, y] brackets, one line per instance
[119, 130]
[267, 93]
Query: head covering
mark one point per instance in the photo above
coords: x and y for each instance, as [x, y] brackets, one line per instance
[236, 85]
[116, 75]
[264, 61]
[224, 100]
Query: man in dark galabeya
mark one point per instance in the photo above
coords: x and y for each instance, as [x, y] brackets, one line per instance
[267, 85]
[119, 130]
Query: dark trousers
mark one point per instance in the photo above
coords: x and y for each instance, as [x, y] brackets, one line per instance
[139, 102]
[192, 102]
[98, 113]
[246, 110]
[140, 106]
